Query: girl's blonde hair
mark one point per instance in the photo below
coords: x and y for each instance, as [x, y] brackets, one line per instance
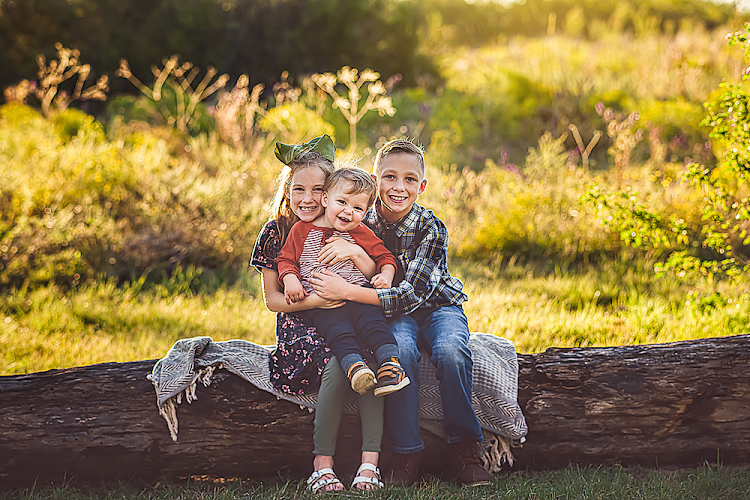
[281, 210]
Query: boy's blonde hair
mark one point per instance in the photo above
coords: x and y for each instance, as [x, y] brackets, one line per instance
[398, 146]
[361, 182]
[281, 210]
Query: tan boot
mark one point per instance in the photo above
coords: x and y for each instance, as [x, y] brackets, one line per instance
[361, 377]
[469, 464]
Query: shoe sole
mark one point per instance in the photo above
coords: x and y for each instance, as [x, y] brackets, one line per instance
[474, 485]
[389, 389]
[477, 483]
[363, 381]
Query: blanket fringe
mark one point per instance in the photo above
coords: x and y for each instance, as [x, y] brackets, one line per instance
[497, 452]
[168, 409]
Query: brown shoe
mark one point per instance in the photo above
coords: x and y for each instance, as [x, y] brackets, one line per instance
[405, 469]
[469, 464]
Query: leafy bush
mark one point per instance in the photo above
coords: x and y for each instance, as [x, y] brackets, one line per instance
[293, 123]
[261, 39]
[456, 23]
[721, 194]
[534, 214]
[74, 208]
[72, 122]
[482, 111]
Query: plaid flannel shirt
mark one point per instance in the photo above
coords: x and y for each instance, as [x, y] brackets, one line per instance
[427, 281]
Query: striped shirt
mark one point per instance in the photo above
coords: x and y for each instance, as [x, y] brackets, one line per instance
[421, 247]
[299, 255]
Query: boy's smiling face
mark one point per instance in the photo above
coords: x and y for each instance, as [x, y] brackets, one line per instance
[344, 211]
[400, 179]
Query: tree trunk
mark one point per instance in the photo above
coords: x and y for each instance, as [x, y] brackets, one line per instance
[671, 404]
[677, 404]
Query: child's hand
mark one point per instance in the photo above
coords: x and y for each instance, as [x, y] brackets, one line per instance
[293, 291]
[338, 250]
[292, 296]
[381, 281]
[385, 277]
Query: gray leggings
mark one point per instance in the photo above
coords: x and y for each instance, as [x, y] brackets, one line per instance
[334, 385]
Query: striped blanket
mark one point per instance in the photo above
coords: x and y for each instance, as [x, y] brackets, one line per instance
[495, 374]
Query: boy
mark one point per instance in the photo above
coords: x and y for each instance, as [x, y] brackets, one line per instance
[426, 304]
[347, 194]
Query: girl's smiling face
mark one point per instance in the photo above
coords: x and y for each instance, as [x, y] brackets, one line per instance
[305, 191]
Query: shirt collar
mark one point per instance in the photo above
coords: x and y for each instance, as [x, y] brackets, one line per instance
[406, 222]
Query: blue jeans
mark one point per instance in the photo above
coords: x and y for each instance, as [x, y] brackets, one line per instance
[445, 332]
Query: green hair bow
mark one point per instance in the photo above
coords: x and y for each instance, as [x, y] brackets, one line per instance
[286, 153]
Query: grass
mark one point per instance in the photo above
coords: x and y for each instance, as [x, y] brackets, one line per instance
[115, 197]
[46, 328]
[573, 482]
[608, 306]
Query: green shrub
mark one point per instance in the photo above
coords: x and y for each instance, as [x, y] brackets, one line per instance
[74, 122]
[679, 122]
[534, 214]
[127, 108]
[482, 109]
[293, 123]
[142, 203]
[519, 88]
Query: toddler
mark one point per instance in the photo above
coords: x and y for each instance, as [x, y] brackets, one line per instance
[348, 193]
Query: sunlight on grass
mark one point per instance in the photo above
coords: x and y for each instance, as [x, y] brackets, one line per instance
[604, 308]
[46, 328]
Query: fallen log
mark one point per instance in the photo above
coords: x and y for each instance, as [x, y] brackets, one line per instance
[677, 404]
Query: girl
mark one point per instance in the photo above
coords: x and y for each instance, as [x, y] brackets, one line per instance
[301, 357]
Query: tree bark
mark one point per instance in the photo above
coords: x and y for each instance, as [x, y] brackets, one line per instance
[676, 404]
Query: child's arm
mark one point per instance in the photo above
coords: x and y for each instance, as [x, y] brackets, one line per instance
[424, 274]
[337, 250]
[333, 287]
[275, 300]
[288, 263]
[293, 291]
[384, 279]
[373, 246]
[288, 258]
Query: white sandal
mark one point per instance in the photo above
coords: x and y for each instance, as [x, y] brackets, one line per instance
[316, 482]
[374, 481]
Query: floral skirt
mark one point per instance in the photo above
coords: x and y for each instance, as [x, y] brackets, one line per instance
[299, 357]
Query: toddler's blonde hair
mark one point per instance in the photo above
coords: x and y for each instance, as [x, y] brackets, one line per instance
[361, 182]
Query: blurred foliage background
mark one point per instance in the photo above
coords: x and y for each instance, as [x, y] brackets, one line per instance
[561, 139]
